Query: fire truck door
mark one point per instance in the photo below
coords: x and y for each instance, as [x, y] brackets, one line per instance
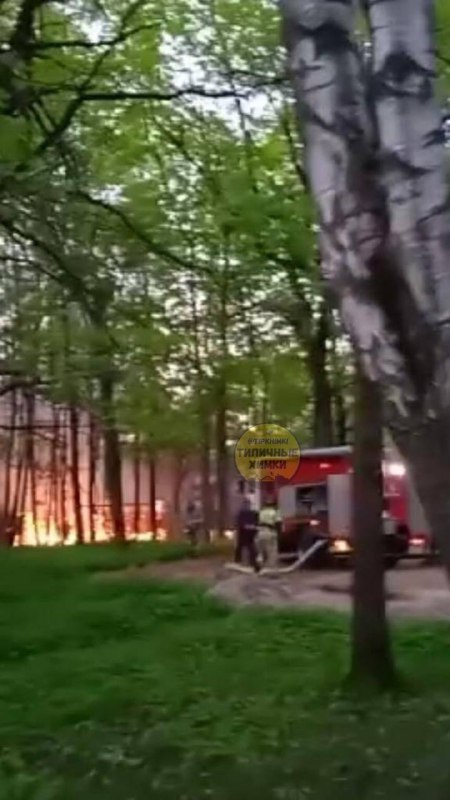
[339, 505]
[416, 516]
[286, 502]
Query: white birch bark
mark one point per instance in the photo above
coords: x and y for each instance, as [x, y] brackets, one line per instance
[411, 142]
[383, 236]
[414, 174]
[327, 74]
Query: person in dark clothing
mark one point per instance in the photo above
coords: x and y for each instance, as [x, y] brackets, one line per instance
[193, 522]
[246, 530]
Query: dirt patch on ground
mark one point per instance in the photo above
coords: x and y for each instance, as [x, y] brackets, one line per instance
[413, 591]
[200, 570]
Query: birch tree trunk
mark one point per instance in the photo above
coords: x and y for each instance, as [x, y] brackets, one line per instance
[375, 159]
[414, 171]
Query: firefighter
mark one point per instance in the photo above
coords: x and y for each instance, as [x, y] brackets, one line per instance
[267, 539]
[246, 531]
[194, 521]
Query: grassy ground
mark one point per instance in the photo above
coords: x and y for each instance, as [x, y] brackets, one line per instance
[133, 690]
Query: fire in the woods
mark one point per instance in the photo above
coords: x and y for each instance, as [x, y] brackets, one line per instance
[54, 478]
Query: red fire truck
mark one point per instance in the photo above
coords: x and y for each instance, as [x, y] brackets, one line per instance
[316, 503]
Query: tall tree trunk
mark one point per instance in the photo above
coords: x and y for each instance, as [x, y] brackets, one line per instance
[152, 494]
[221, 464]
[113, 457]
[75, 472]
[9, 457]
[322, 392]
[204, 414]
[13, 522]
[371, 651]
[137, 486]
[330, 91]
[63, 523]
[52, 506]
[381, 191]
[93, 447]
[179, 475]
[409, 122]
[340, 415]
[205, 468]
[22, 492]
[31, 462]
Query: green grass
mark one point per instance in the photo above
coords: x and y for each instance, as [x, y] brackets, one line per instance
[135, 690]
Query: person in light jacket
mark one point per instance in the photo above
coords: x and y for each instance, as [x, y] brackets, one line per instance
[267, 540]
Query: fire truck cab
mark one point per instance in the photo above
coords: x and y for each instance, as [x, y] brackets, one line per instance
[316, 503]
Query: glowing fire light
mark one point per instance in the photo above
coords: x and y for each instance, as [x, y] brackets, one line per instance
[46, 533]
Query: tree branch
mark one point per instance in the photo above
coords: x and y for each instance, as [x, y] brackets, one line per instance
[175, 94]
[23, 31]
[20, 383]
[72, 279]
[143, 236]
[85, 44]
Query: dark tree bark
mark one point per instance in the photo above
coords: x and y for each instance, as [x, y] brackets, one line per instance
[341, 423]
[22, 491]
[15, 523]
[204, 414]
[9, 455]
[8, 512]
[30, 460]
[113, 457]
[75, 473]
[313, 332]
[179, 476]
[371, 660]
[221, 465]
[205, 467]
[137, 486]
[63, 523]
[377, 167]
[93, 455]
[52, 505]
[152, 494]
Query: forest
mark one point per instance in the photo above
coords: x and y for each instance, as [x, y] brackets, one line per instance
[160, 270]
